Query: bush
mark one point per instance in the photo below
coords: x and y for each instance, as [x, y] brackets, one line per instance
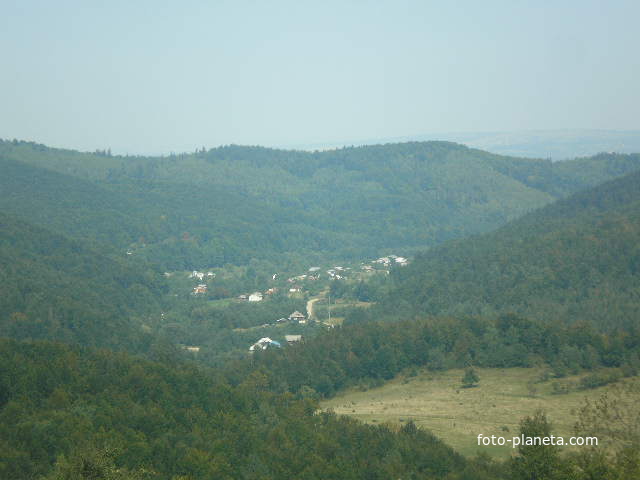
[470, 378]
[599, 379]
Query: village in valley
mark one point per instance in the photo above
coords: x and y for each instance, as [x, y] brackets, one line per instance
[316, 299]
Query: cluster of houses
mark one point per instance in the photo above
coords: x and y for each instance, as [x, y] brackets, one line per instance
[387, 261]
[302, 278]
[252, 297]
[339, 272]
[200, 275]
[201, 288]
[335, 273]
[257, 296]
[296, 317]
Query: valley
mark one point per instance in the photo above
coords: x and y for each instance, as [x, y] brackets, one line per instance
[203, 278]
[217, 306]
[255, 301]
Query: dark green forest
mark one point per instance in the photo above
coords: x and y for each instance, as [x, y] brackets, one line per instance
[574, 260]
[56, 288]
[101, 412]
[69, 412]
[369, 352]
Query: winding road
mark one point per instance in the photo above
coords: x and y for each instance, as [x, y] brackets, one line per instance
[310, 306]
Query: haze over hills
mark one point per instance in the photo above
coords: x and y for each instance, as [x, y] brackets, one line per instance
[550, 144]
[185, 294]
[231, 204]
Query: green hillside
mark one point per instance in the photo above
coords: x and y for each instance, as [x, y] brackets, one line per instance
[67, 413]
[73, 206]
[231, 204]
[55, 288]
[575, 260]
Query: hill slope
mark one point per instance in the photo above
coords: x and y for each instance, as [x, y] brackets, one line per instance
[53, 287]
[72, 206]
[231, 204]
[110, 412]
[577, 259]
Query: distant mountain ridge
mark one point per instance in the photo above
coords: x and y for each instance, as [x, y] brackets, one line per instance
[551, 144]
[232, 204]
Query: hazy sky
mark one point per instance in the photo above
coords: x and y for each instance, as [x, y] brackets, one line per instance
[155, 77]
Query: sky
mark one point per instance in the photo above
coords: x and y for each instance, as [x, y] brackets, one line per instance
[154, 77]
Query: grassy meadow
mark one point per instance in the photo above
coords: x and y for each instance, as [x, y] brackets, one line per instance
[436, 401]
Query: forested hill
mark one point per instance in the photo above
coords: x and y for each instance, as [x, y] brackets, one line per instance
[575, 260]
[110, 416]
[231, 204]
[74, 207]
[55, 288]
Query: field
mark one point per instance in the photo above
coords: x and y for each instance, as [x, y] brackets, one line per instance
[435, 401]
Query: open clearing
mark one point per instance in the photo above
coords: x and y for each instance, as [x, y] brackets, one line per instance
[435, 401]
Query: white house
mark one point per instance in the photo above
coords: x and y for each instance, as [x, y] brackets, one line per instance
[263, 344]
[401, 261]
[297, 317]
[197, 274]
[255, 297]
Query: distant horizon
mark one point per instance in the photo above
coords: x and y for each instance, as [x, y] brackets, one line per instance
[447, 136]
[481, 140]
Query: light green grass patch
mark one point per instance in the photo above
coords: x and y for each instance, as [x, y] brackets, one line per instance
[436, 401]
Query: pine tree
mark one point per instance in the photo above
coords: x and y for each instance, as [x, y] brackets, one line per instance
[470, 378]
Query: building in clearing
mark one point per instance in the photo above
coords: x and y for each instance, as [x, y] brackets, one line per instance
[401, 261]
[200, 289]
[291, 339]
[197, 274]
[297, 317]
[255, 297]
[263, 344]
